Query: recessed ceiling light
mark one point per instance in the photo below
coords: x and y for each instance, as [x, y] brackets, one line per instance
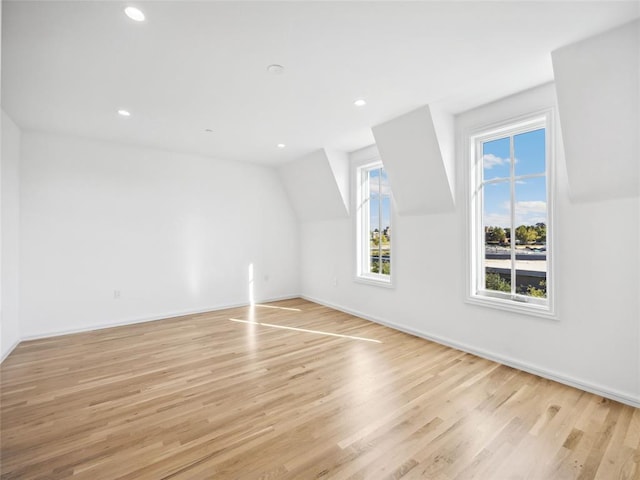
[124, 113]
[275, 69]
[281, 145]
[360, 103]
[134, 14]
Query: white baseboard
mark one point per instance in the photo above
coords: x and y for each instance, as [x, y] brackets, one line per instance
[622, 397]
[153, 318]
[11, 349]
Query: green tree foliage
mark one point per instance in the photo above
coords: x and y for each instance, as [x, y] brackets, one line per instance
[375, 237]
[526, 234]
[495, 235]
[386, 235]
[386, 267]
[537, 292]
[494, 281]
[541, 232]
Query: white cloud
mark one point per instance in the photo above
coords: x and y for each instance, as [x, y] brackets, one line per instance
[385, 188]
[527, 207]
[497, 220]
[532, 206]
[527, 213]
[530, 220]
[490, 160]
[531, 212]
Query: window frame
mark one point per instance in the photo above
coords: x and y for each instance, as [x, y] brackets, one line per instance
[475, 236]
[361, 220]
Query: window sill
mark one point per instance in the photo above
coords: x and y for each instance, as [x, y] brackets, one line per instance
[375, 281]
[524, 308]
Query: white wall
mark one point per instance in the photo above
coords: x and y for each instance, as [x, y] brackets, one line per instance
[171, 232]
[595, 341]
[10, 242]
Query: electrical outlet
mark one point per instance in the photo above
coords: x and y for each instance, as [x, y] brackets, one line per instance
[335, 281]
[116, 294]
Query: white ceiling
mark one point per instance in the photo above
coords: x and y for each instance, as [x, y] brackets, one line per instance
[69, 66]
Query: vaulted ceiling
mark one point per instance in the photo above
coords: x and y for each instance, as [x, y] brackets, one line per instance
[190, 67]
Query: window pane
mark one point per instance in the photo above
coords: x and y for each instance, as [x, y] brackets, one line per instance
[385, 224]
[495, 159]
[384, 182]
[385, 239]
[531, 237]
[508, 200]
[496, 220]
[529, 150]
[374, 224]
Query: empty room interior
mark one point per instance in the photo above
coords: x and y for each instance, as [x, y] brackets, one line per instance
[320, 240]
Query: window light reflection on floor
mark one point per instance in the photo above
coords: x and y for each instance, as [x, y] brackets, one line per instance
[351, 337]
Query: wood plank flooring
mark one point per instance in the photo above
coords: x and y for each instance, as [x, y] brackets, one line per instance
[294, 390]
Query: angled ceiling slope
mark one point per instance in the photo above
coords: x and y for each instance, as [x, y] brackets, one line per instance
[417, 152]
[597, 84]
[193, 66]
[317, 185]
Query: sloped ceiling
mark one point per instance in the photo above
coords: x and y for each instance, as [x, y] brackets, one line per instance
[412, 155]
[313, 188]
[597, 85]
[68, 66]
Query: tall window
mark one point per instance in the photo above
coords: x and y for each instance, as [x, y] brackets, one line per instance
[510, 225]
[374, 223]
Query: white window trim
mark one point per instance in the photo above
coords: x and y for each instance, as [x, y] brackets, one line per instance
[502, 301]
[368, 159]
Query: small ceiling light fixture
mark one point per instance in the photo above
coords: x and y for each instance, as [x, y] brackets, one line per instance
[281, 145]
[124, 113]
[134, 14]
[360, 103]
[208, 130]
[275, 69]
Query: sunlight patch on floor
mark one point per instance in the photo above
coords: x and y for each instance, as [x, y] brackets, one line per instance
[351, 337]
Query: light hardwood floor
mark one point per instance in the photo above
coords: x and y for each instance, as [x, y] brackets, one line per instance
[294, 390]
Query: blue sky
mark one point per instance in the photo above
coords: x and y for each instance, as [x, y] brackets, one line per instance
[530, 201]
[379, 184]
